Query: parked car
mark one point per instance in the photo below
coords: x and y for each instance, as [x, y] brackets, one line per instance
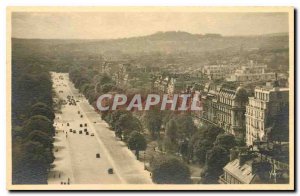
[98, 155]
[92, 134]
[80, 132]
[110, 171]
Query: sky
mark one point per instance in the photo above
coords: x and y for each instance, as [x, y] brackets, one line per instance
[112, 25]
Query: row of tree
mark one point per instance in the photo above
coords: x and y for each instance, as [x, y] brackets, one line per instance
[91, 82]
[32, 123]
[126, 126]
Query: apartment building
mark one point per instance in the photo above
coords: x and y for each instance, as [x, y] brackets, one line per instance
[267, 102]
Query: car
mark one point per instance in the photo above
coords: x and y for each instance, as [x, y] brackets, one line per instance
[98, 155]
[74, 131]
[85, 125]
[92, 134]
[110, 171]
[86, 133]
[81, 116]
[85, 130]
[80, 125]
[68, 124]
[80, 132]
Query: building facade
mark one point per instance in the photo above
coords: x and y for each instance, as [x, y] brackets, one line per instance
[265, 104]
[225, 107]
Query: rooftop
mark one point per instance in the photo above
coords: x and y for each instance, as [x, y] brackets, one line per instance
[242, 173]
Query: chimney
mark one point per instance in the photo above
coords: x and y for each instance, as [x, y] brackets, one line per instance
[234, 154]
[243, 158]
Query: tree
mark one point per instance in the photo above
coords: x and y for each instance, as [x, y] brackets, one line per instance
[169, 170]
[202, 141]
[226, 141]
[42, 137]
[38, 122]
[199, 150]
[240, 142]
[42, 109]
[17, 132]
[184, 149]
[262, 169]
[114, 117]
[211, 132]
[167, 115]
[32, 119]
[126, 124]
[216, 159]
[186, 126]
[137, 142]
[153, 122]
[170, 142]
[171, 131]
[38, 154]
[169, 146]
[105, 79]
[107, 87]
[34, 163]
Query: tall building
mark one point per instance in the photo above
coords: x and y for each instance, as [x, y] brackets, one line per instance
[268, 102]
[225, 107]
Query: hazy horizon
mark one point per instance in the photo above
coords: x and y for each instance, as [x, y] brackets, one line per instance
[115, 25]
[143, 36]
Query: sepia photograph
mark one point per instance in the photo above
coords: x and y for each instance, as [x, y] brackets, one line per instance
[150, 98]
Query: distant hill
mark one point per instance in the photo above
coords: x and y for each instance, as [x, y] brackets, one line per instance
[165, 42]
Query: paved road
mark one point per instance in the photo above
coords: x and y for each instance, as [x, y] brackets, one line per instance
[75, 153]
